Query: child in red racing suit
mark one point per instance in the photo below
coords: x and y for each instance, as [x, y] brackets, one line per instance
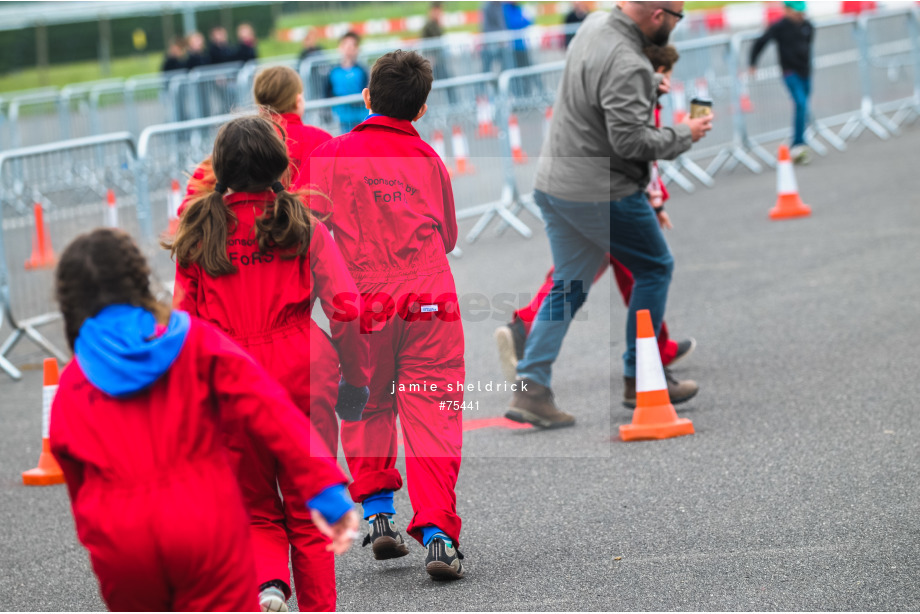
[392, 213]
[252, 259]
[138, 427]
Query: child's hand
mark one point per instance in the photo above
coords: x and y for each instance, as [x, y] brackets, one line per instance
[664, 220]
[342, 533]
[351, 401]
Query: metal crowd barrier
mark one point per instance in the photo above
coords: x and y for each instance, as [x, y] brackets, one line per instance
[454, 54]
[488, 128]
[167, 153]
[68, 181]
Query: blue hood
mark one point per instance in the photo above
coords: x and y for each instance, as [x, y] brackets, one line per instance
[119, 353]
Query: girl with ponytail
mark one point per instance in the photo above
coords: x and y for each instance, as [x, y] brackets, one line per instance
[252, 259]
[278, 91]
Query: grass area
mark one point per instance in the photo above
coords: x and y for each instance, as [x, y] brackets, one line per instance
[65, 74]
[365, 11]
[60, 75]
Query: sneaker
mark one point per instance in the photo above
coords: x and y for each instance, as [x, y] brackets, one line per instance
[510, 339]
[385, 539]
[443, 560]
[800, 154]
[271, 599]
[680, 391]
[534, 404]
[684, 349]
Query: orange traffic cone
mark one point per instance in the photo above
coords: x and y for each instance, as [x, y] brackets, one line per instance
[514, 135]
[42, 254]
[111, 210]
[173, 201]
[654, 416]
[679, 99]
[746, 105]
[484, 116]
[461, 151]
[788, 203]
[437, 144]
[547, 121]
[48, 471]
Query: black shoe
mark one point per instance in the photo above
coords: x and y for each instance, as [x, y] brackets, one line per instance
[510, 339]
[443, 561]
[385, 539]
[679, 391]
[684, 349]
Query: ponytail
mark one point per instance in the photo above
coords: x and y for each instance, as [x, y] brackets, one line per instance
[285, 224]
[202, 235]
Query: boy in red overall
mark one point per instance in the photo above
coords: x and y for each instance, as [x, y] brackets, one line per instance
[392, 214]
[138, 425]
[252, 260]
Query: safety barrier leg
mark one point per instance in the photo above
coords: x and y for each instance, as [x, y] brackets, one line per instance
[694, 169]
[670, 172]
[29, 329]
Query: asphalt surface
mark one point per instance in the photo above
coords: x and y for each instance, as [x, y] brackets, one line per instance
[797, 492]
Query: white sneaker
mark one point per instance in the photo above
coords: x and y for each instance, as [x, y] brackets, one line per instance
[272, 599]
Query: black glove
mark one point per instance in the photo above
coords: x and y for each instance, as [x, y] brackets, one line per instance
[351, 401]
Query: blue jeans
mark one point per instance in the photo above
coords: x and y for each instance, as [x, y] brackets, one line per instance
[581, 235]
[800, 89]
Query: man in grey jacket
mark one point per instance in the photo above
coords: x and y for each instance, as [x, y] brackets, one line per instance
[590, 186]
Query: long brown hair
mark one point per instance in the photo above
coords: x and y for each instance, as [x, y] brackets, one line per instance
[101, 268]
[248, 156]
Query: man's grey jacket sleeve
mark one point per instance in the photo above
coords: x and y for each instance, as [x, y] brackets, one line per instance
[626, 99]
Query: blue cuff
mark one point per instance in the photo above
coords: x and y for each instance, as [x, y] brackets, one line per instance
[332, 503]
[428, 533]
[379, 503]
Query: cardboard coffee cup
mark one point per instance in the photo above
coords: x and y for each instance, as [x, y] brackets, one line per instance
[700, 107]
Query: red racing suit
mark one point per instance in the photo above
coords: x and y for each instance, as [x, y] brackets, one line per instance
[266, 307]
[393, 218]
[300, 139]
[152, 487]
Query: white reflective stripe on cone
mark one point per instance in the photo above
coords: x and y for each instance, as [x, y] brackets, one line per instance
[48, 393]
[649, 372]
[785, 179]
[175, 200]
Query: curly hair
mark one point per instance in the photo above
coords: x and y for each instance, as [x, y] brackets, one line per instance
[101, 268]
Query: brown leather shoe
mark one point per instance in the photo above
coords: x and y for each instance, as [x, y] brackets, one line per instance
[679, 390]
[534, 404]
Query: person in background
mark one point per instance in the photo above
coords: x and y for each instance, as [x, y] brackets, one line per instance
[219, 51]
[348, 77]
[516, 20]
[175, 55]
[279, 90]
[433, 30]
[577, 15]
[493, 20]
[196, 55]
[246, 43]
[794, 35]
[310, 44]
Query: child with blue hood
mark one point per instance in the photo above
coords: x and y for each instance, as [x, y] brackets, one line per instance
[138, 426]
